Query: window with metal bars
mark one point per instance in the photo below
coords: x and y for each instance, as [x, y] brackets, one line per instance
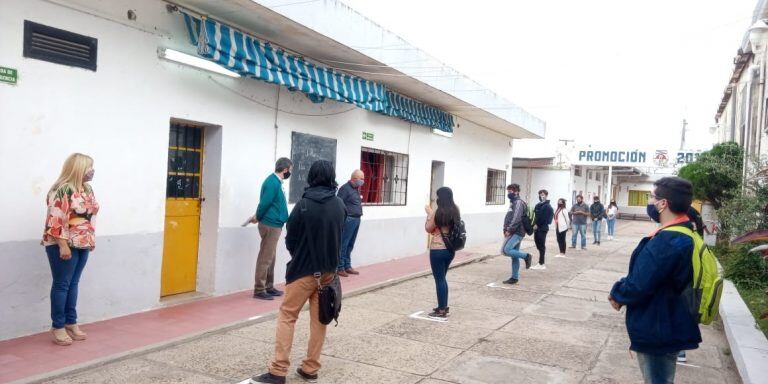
[59, 46]
[577, 171]
[638, 198]
[386, 177]
[185, 159]
[495, 187]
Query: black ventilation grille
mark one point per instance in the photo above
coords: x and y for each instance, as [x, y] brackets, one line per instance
[59, 46]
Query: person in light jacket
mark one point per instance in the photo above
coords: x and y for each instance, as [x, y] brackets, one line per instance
[562, 222]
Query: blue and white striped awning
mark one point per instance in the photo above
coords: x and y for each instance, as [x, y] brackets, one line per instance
[417, 112]
[251, 57]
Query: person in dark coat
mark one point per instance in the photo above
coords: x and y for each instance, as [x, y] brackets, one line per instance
[659, 322]
[349, 193]
[544, 214]
[313, 239]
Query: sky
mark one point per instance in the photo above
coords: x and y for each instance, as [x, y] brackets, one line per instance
[603, 72]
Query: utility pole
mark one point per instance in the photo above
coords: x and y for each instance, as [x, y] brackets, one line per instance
[682, 138]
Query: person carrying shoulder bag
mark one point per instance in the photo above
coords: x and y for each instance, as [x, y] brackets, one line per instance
[313, 239]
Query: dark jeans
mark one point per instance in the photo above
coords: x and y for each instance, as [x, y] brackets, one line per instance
[66, 277]
[348, 237]
[658, 369]
[561, 241]
[540, 238]
[440, 260]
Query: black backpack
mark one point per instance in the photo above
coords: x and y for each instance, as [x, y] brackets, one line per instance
[456, 238]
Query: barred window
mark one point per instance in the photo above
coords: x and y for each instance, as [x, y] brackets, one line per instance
[577, 171]
[597, 176]
[638, 198]
[386, 177]
[495, 188]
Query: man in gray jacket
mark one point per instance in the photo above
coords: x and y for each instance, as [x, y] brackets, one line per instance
[514, 233]
[579, 213]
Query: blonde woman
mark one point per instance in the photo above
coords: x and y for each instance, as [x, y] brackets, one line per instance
[68, 238]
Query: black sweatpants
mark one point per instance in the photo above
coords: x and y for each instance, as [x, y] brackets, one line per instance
[540, 238]
[561, 241]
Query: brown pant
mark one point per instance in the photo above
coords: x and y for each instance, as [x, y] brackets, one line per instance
[265, 262]
[296, 295]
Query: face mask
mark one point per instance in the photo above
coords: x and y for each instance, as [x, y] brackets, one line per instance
[511, 195]
[89, 175]
[286, 175]
[358, 183]
[653, 212]
[561, 204]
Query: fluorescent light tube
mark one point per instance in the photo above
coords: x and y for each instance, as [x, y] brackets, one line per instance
[442, 133]
[193, 61]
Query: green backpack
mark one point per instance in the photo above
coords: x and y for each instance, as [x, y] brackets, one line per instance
[704, 295]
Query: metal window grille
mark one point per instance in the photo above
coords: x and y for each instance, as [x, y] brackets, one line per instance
[638, 198]
[386, 177]
[185, 159]
[577, 171]
[59, 46]
[495, 188]
[597, 176]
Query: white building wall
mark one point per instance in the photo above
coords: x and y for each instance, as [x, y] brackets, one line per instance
[623, 198]
[120, 115]
[556, 181]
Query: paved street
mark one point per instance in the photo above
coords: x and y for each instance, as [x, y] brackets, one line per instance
[555, 326]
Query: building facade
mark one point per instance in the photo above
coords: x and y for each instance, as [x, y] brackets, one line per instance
[180, 153]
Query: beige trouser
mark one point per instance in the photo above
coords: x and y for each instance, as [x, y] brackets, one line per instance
[296, 295]
[265, 262]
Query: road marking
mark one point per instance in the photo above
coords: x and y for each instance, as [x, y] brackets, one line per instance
[418, 316]
[496, 285]
[688, 365]
[255, 318]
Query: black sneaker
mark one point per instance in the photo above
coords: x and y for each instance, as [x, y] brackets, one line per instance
[263, 296]
[274, 292]
[510, 281]
[306, 376]
[528, 260]
[268, 378]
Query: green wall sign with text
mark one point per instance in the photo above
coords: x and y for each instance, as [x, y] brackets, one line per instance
[368, 136]
[8, 75]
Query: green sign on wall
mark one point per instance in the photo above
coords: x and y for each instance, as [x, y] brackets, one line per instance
[8, 75]
[368, 136]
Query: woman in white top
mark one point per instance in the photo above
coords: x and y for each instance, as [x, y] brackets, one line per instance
[612, 212]
[562, 224]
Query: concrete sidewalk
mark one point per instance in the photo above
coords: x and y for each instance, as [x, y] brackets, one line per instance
[555, 326]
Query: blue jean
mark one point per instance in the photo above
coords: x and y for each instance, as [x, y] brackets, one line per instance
[348, 237]
[512, 249]
[597, 227]
[440, 260]
[611, 227]
[657, 369]
[66, 278]
[579, 229]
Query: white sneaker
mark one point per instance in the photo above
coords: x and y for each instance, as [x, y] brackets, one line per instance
[559, 255]
[539, 266]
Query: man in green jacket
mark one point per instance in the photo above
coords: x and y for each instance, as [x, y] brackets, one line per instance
[271, 214]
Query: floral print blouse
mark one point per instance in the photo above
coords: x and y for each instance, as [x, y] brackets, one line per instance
[70, 217]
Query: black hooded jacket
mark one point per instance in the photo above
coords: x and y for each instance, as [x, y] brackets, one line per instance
[313, 233]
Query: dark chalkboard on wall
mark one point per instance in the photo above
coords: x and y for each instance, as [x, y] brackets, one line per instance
[305, 150]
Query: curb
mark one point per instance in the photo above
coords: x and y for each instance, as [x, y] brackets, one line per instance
[223, 328]
[749, 346]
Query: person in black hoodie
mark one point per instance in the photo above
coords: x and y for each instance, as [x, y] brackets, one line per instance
[313, 239]
[544, 213]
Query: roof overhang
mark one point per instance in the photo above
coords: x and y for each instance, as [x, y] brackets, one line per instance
[357, 46]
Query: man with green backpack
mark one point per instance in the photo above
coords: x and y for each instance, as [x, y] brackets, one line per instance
[672, 285]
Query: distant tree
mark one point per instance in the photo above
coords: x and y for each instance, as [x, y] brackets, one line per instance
[717, 174]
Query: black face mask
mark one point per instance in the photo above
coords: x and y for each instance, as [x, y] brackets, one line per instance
[286, 175]
[561, 204]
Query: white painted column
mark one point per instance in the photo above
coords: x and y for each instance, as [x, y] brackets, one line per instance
[609, 189]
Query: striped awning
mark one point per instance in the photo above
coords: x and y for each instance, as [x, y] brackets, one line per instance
[418, 112]
[251, 57]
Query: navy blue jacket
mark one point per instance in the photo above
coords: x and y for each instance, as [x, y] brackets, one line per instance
[658, 319]
[544, 214]
[351, 198]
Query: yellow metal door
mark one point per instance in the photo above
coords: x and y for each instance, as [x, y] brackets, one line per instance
[182, 210]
